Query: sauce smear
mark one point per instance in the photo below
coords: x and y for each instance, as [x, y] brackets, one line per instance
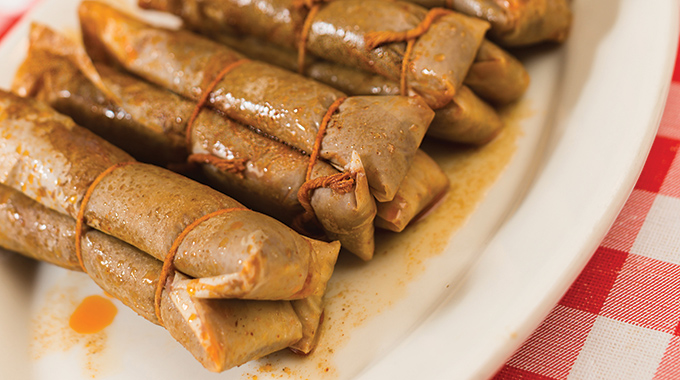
[93, 315]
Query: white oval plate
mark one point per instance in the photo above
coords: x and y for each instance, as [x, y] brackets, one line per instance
[597, 102]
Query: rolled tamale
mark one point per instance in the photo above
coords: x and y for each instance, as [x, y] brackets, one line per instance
[516, 22]
[495, 75]
[385, 131]
[466, 119]
[341, 31]
[233, 252]
[219, 333]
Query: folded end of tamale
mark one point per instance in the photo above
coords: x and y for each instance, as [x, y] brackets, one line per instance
[226, 333]
[388, 130]
[497, 76]
[275, 263]
[44, 44]
[310, 309]
[57, 72]
[467, 119]
[310, 312]
[324, 257]
[424, 187]
[348, 217]
[44, 40]
[222, 334]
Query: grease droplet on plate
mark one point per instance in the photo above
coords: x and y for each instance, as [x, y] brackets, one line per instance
[93, 315]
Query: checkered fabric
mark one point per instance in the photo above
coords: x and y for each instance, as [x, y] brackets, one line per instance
[621, 317]
[6, 21]
[10, 12]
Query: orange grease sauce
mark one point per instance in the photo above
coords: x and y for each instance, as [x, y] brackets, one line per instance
[51, 332]
[93, 315]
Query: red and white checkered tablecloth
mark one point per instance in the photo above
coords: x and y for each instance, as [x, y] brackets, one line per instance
[621, 317]
[11, 11]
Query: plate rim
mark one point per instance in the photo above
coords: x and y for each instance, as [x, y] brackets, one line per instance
[521, 332]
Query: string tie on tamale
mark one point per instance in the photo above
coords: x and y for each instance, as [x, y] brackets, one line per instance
[235, 165]
[314, 155]
[375, 39]
[168, 262]
[340, 182]
[304, 34]
[80, 218]
[168, 269]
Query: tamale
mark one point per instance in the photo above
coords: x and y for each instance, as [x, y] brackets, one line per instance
[340, 31]
[466, 119]
[495, 75]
